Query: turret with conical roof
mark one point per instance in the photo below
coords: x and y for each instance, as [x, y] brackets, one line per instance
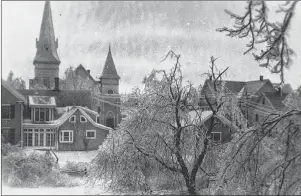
[109, 78]
[46, 60]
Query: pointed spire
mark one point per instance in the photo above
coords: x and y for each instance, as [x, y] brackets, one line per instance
[47, 44]
[109, 70]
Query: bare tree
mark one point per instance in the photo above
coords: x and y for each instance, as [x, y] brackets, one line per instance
[161, 129]
[17, 83]
[272, 37]
[265, 159]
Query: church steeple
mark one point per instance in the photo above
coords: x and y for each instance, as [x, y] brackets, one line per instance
[109, 70]
[46, 62]
[47, 44]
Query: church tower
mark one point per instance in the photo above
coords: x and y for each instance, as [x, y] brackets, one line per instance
[46, 61]
[109, 81]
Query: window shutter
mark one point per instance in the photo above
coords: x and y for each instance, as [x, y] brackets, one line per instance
[12, 112]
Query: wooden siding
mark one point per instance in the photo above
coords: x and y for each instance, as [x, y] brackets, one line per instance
[221, 128]
[16, 123]
[79, 133]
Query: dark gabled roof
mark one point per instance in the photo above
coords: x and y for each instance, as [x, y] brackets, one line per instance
[13, 91]
[109, 70]
[47, 45]
[86, 72]
[254, 86]
[233, 86]
[64, 97]
[276, 99]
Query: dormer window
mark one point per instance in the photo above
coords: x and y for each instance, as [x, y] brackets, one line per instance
[72, 119]
[83, 119]
[42, 108]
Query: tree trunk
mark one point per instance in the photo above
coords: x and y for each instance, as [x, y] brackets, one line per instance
[190, 184]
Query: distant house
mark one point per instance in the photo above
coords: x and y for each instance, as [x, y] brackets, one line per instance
[268, 103]
[12, 106]
[86, 75]
[222, 127]
[254, 98]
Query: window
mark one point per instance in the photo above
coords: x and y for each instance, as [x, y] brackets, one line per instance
[217, 136]
[46, 82]
[110, 91]
[72, 118]
[66, 136]
[42, 114]
[37, 111]
[98, 119]
[7, 111]
[110, 120]
[50, 138]
[256, 117]
[263, 101]
[39, 137]
[27, 137]
[83, 119]
[47, 114]
[90, 134]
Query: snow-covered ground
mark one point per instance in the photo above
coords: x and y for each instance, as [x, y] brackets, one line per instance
[80, 190]
[77, 156]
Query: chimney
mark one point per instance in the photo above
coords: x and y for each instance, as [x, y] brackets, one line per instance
[261, 78]
[57, 83]
[88, 70]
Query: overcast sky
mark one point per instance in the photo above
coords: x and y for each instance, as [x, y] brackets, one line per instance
[140, 33]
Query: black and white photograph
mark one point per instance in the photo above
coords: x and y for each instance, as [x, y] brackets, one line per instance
[150, 98]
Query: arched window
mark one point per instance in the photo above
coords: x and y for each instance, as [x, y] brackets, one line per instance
[72, 118]
[110, 91]
[110, 120]
[83, 119]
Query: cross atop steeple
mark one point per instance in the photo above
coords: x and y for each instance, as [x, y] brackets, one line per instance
[47, 44]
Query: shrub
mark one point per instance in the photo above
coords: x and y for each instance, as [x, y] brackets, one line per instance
[33, 170]
[7, 148]
[75, 166]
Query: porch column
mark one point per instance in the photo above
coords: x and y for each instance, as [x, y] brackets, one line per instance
[44, 131]
[56, 138]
